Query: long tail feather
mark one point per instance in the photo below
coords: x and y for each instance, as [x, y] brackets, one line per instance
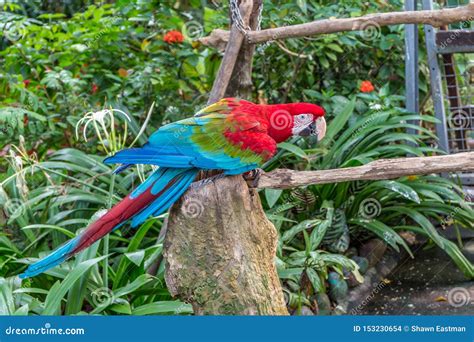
[153, 196]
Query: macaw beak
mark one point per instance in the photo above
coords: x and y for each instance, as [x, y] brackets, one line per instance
[320, 127]
[316, 128]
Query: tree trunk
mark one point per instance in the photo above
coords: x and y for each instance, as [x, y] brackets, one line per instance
[220, 251]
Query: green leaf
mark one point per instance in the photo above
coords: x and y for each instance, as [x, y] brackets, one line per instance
[452, 250]
[338, 123]
[290, 273]
[293, 149]
[318, 233]
[136, 257]
[120, 278]
[52, 227]
[164, 307]
[272, 196]
[307, 224]
[384, 232]
[142, 280]
[122, 308]
[315, 280]
[397, 187]
[335, 47]
[22, 311]
[422, 221]
[303, 6]
[59, 290]
[313, 94]
[7, 302]
[77, 293]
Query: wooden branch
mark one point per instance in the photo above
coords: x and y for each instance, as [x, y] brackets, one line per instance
[435, 18]
[230, 56]
[376, 170]
[240, 84]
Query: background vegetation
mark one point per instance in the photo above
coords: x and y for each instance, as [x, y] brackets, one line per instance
[62, 60]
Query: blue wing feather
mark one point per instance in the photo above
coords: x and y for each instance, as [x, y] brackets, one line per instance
[172, 146]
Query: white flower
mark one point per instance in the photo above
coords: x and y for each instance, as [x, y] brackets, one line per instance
[104, 126]
[375, 106]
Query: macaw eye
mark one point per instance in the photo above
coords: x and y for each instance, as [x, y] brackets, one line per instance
[301, 121]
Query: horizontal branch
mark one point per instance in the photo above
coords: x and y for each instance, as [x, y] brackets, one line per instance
[371, 23]
[376, 170]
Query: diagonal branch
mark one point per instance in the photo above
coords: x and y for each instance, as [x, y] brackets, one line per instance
[230, 56]
[435, 18]
[376, 170]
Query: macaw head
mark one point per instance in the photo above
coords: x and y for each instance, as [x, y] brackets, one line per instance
[296, 119]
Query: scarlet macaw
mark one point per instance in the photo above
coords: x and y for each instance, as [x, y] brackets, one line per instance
[232, 135]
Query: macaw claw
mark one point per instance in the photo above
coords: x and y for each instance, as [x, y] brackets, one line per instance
[252, 177]
[206, 181]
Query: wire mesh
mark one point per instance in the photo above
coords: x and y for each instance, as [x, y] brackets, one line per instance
[458, 77]
[458, 81]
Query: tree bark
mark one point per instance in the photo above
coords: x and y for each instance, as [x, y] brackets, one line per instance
[220, 251]
[376, 170]
[219, 246]
[240, 84]
[371, 22]
[230, 55]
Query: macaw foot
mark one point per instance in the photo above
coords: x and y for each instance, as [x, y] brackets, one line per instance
[252, 177]
[206, 181]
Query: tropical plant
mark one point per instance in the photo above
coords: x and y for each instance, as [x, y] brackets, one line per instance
[332, 216]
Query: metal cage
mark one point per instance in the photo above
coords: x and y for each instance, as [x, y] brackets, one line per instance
[450, 52]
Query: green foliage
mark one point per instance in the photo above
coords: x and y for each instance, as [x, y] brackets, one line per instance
[70, 186]
[382, 209]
